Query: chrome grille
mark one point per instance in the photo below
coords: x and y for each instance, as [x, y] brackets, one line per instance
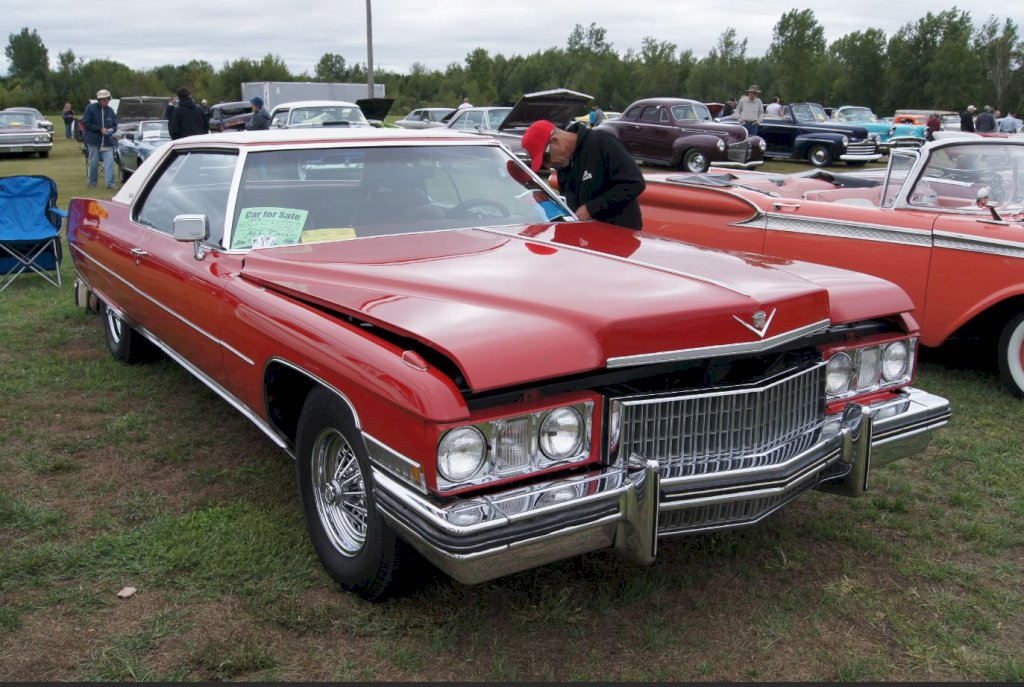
[16, 139]
[718, 431]
[739, 152]
[864, 148]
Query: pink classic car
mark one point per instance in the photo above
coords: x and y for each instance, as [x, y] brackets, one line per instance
[458, 365]
[945, 222]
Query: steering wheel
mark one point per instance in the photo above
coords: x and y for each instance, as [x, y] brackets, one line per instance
[463, 208]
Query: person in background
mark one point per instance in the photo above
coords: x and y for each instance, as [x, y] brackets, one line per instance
[596, 116]
[730, 107]
[464, 104]
[774, 108]
[967, 118]
[986, 121]
[933, 124]
[750, 110]
[100, 123]
[1008, 124]
[260, 119]
[69, 119]
[597, 177]
[171, 104]
[187, 119]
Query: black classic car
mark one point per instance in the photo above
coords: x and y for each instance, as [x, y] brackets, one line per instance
[804, 132]
[681, 133]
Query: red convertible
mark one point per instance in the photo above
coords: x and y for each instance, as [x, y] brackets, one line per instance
[946, 223]
[459, 365]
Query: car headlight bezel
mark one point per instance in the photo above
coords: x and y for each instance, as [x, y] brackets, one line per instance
[522, 444]
[868, 368]
[469, 439]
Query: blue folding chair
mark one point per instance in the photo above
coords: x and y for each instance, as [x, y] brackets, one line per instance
[30, 223]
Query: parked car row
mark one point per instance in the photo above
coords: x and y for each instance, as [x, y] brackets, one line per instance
[21, 134]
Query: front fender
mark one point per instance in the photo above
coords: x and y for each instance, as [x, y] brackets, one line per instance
[803, 142]
[706, 143]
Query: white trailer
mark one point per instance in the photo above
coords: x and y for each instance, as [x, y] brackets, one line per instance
[277, 92]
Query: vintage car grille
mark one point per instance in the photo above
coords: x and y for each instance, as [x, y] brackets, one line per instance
[739, 152]
[16, 139]
[718, 431]
[862, 148]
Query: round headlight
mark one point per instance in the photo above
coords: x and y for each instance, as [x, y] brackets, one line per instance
[461, 453]
[561, 433]
[720, 144]
[895, 361]
[838, 374]
[763, 145]
[846, 141]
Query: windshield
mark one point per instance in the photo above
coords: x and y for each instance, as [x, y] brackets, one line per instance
[325, 114]
[808, 113]
[859, 114]
[956, 175]
[696, 112]
[288, 197]
[17, 119]
[148, 130]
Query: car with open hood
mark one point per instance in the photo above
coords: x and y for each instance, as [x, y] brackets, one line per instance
[459, 365]
[134, 147]
[945, 222]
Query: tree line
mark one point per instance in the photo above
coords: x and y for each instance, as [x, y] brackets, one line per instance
[941, 61]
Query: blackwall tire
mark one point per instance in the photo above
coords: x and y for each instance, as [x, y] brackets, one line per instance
[357, 548]
[696, 161]
[123, 342]
[819, 156]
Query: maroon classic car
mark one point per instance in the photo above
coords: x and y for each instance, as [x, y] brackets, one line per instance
[681, 133]
[459, 365]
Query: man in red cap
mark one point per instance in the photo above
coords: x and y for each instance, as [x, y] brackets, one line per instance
[598, 178]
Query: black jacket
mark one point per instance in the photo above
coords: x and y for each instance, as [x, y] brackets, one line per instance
[966, 121]
[187, 120]
[604, 177]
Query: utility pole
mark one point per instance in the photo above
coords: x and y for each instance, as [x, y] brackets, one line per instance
[369, 48]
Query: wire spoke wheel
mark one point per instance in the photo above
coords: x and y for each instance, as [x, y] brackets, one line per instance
[340, 491]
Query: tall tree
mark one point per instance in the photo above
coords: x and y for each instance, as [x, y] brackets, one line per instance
[28, 57]
[1000, 53]
[798, 50]
[723, 74]
[858, 63]
[331, 68]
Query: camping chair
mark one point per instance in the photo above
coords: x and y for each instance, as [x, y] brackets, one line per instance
[30, 224]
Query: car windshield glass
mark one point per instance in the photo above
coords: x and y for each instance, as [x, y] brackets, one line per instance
[859, 114]
[317, 116]
[695, 112]
[956, 175]
[16, 119]
[498, 116]
[149, 130]
[288, 197]
[808, 113]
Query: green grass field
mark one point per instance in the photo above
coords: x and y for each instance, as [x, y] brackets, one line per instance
[138, 476]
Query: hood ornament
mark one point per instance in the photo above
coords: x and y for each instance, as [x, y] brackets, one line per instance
[761, 321]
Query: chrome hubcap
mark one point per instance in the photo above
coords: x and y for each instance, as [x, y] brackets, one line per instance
[340, 491]
[115, 325]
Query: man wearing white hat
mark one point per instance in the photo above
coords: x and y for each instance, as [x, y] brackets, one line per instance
[100, 123]
[750, 110]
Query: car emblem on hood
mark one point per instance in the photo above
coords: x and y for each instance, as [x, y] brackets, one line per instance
[761, 322]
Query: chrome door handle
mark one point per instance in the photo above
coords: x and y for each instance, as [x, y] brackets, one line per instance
[138, 253]
[779, 206]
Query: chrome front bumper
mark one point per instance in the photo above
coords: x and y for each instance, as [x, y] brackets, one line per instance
[860, 158]
[629, 508]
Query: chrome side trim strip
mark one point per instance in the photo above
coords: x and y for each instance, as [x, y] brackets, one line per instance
[719, 351]
[977, 244]
[163, 307]
[851, 230]
[630, 261]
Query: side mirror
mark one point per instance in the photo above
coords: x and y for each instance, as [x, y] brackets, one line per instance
[194, 228]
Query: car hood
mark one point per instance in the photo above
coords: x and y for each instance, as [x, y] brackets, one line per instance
[851, 130]
[518, 304]
[139, 107]
[558, 106]
[375, 108]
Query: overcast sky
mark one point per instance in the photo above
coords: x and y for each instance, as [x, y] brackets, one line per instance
[435, 33]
